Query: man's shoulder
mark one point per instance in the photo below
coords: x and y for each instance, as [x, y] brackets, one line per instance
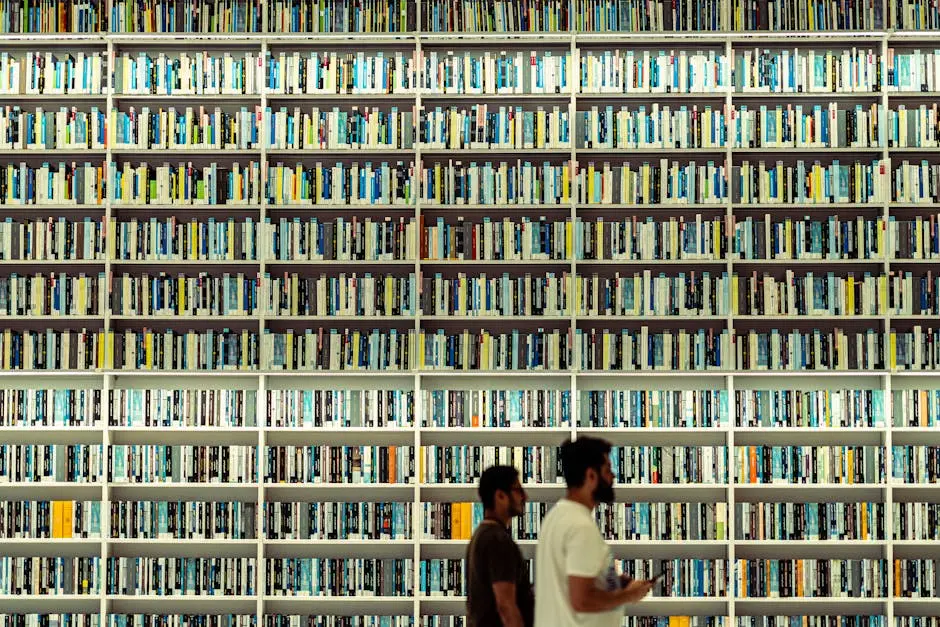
[487, 534]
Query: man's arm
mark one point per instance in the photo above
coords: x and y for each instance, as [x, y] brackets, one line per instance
[586, 597]
[505, 593]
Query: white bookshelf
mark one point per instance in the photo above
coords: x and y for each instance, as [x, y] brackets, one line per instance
[728, 435]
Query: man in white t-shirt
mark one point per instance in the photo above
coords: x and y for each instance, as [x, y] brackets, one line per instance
[576, 583]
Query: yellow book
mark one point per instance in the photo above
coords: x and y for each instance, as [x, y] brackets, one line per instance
[422, 477]
[67, 520]
[56, 530]
[850, 294]
[467, 518]
[864, 532]
[892, 350]
[456, 526]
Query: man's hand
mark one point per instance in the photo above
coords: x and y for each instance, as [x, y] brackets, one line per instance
[637, 589]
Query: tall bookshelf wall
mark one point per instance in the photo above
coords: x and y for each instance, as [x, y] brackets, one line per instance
[711, 398]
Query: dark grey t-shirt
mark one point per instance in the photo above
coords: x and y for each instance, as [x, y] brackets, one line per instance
[493, 556]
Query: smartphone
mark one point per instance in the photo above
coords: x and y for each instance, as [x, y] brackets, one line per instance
[655, 578]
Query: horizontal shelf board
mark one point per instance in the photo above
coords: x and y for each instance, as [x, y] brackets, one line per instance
[915, 493]
[333, 263]
[51, 435]
[690, 375]
[916, 607]
[340, 152]
[784, 150]
[822, 549]
[86, 153]
[463, 492]
[397, 492]
[808, 436]
[184, 491]
[650, 606]
[283, 436]
[494, 436]
[118, 206]
[837, 95]
[183, 548]
[52, 603]
[51, 547]
[803, 493]
[641, 436]
[493, 151]
[339, 548]
[916, 549]
[652, 96]
[183, 435]
[809, 606]
[52, 491]
[915, 436]
[157, 153]
[339, 606]
[217, 604]
[203, 97]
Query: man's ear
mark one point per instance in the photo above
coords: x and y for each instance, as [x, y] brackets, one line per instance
[591, 476]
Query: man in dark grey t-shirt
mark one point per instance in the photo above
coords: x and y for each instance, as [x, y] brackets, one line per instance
[498, 590]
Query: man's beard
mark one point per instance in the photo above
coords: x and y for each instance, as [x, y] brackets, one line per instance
[604, 492]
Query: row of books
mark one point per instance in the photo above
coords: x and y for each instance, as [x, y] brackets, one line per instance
[916, 464]
[199, 576]
[430, 620]
[182, 576]
[473, 127]
[549, 295]
[364, 464]
[456, 16]
[193, 520]
[764, 464]
[76, 463]
[811, 578]
[460, 464]
[555, 350]
[488, 408]
[438, 73]
[834, 408]
[292, 520]
[305, 576]
[441, 239]
[50, 519]
[188, 463]
[659, 182]
[801, 522]
[631, 521]
[50, 575]
[807, 15]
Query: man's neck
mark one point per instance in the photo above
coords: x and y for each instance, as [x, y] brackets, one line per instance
[502, 519]
[580, 496]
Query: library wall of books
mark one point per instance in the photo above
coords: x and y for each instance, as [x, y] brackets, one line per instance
[280, 278]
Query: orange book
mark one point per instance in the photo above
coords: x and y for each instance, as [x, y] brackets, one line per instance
[799, 578]
[897, 578]
[752, 451]
[392, 471]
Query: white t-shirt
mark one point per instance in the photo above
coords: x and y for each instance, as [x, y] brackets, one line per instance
[571, 544]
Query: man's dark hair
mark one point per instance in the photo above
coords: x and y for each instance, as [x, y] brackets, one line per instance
[496, 478]
[579, 455]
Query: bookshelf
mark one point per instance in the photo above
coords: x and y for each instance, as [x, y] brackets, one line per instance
[882, 222]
